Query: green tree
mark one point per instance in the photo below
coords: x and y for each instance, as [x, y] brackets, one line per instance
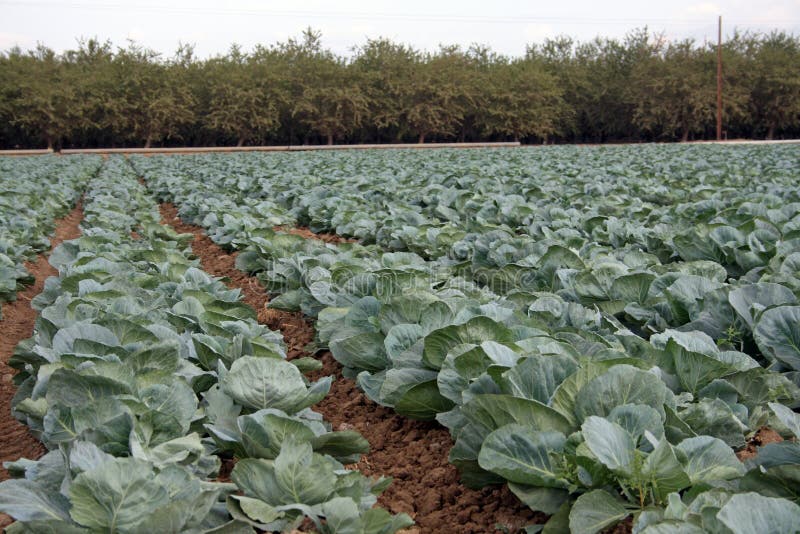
[332, 102]
[638, 87]
[674, 91]
[37, 95]
[384, 69]
[442, 91]
[523, 100]
[90, 70]
[559, 59]
[238, 106]
[775, 95]
[151, 103]
[673, 96]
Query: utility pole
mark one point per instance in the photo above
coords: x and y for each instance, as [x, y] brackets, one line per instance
[719, 78]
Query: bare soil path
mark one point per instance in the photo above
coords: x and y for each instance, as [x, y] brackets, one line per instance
[415, 453]
[305, 232]
[17, 324]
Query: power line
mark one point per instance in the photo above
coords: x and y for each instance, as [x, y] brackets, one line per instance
[412, 17]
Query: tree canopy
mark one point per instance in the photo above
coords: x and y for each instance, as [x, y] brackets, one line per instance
[640, 88]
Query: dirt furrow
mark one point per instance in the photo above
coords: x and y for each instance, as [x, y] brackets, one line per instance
[297, 332]
[414, 453]
[304, 231]
[17, 324]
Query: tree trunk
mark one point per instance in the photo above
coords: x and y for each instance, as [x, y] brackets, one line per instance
[240, 142]
[771, 132]
[421, 139]
[148, 141]
[49, 143]
[685, 136]
[330, 139]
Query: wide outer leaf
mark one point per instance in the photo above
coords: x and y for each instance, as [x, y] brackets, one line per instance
[777, 334]
[478, 329]
[256, 478]
[491, 411]
[116, 496]
[25, 500]
[709, 459]
[622, 384]
[594, 511]
[364, 351]
[665, 471]
[537, 377]
[762, 294]
[304, 477]
[538, 499]
[423, 401]
[260, 383]
[750, 512]
[787, 417]
[610, 443]
[524, 455]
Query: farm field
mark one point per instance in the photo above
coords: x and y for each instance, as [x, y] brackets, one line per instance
[565, 339]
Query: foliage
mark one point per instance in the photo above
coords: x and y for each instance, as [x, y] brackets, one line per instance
[142, 371]
[299, 92]
[27, 217]
[602, 329]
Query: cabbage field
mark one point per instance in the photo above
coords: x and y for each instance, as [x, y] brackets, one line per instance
[612, 334]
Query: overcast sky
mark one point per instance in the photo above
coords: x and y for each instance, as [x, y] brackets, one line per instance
[507, 26]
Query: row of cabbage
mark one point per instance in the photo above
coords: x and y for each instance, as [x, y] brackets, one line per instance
[435, 204]
[600, 227]
[34, 192]
[612, 371]
[649, 284]
[144, 371]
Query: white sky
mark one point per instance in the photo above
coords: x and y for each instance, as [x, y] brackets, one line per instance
[507, 26]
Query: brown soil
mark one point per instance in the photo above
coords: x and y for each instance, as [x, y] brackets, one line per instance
[415, 453]
[305, 232]
[426, 486]
[17, 324]
[623, 527]
[225, 469]
[763, 436]
[297, 332]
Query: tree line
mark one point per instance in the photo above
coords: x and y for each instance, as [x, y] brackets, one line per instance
[639, 88]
